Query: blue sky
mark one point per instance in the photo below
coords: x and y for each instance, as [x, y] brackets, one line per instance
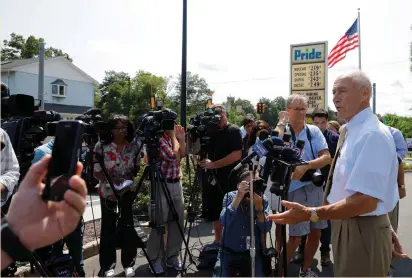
[240, 47]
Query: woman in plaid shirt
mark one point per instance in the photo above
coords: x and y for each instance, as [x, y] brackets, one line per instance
[172, 149]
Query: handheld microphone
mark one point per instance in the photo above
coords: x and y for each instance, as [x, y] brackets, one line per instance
[259, 149]
[264, 134]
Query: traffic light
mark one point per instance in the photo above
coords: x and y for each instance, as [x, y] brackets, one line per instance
[260, 108]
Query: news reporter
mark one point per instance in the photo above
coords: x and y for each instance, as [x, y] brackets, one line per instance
[37, 223]
[122, 161]
[360, 190]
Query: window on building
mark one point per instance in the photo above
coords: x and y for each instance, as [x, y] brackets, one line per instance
[59, 88]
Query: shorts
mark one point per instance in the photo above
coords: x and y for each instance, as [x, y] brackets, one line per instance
[216, 194]
[310, 196]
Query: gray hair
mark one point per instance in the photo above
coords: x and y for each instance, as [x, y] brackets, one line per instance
[296, 97]
[359, 78]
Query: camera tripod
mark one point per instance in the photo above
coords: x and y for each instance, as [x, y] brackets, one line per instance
[281, 261]
[139, 241]
[157, 185]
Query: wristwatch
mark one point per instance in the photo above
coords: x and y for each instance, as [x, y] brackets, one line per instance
[402, 186]
[281, 124]
[313, 215]
[11, 244]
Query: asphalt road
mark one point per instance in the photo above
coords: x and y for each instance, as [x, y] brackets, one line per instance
[204, 233]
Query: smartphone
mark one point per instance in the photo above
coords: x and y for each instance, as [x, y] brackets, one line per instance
[65, 154]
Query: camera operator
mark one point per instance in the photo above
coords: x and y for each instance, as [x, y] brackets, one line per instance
[122, 161]
[9, 175]
[74, 240]
[172, 149]
[320, 119]
[34, 223]
[234, 256]
[225, 152]
[302, 189]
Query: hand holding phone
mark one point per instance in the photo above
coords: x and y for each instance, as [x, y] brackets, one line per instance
[65, 155]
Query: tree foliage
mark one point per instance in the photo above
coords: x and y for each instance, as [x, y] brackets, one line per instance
[236, 115]
[18, 47]
[272, 109]
[404, 124]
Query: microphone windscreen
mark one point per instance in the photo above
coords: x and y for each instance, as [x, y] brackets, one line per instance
[263, 134]
[277, 141]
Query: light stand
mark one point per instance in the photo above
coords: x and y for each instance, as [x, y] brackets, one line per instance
[252, 222]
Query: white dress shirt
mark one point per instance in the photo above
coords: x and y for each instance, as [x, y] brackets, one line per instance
[367, 163]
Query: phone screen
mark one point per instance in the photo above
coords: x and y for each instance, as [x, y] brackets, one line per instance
[65, 154]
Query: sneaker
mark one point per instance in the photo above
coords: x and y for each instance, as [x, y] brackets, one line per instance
[325, 259]
[109, 273]
[129, 271]
[158, 268]
[211, 246]
[307, 273]
[175, 262]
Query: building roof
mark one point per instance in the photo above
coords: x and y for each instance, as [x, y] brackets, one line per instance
[13, 64]
[58, 82]
[8, 65]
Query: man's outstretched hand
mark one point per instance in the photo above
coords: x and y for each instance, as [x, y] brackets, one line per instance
[38, 223]
[296, 214]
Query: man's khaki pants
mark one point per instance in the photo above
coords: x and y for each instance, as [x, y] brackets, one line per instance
[362, 246]
[394, 217]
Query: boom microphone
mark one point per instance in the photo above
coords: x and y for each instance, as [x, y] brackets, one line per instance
[93, 112]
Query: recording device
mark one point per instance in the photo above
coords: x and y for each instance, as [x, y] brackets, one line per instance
[25, 125]
[201, 127]
[155, 123]
[259, 186]
[65, 154]
[259, 149]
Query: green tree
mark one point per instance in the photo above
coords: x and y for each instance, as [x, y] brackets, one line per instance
[272, 109]
[114, 91]
[404, 124]
[19, 47]
[197, 93]
[236, 117]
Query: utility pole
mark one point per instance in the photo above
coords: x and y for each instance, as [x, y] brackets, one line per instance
[184, 67]
[374, 97]
[41, 75]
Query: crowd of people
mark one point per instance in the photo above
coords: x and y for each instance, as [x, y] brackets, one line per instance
[360, 209]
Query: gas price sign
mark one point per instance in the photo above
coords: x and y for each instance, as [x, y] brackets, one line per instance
[309, 73]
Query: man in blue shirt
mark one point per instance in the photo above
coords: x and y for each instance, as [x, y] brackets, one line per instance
[74, 240]
[234, 255]
[302, 189]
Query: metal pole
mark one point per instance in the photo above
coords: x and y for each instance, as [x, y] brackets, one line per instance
[130, 101]
[359, 40]
[252, 224]
[41, 75]
[374, 97]
[184, 67]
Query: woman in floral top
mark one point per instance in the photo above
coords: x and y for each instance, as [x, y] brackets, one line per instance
[122, 160]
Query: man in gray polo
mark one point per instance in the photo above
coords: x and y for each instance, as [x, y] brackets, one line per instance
[301, 189]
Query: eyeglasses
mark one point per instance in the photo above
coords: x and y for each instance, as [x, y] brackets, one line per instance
[119, 128]
[299, 109]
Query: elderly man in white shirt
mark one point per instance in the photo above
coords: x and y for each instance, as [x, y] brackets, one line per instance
[360, 183]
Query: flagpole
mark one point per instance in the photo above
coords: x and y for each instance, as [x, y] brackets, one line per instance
[359, 41]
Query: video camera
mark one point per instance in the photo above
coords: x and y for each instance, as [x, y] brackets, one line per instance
[155, 123]
[25, 125]
[201, 127]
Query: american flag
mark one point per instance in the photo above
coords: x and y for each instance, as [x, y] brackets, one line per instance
[348, 42]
